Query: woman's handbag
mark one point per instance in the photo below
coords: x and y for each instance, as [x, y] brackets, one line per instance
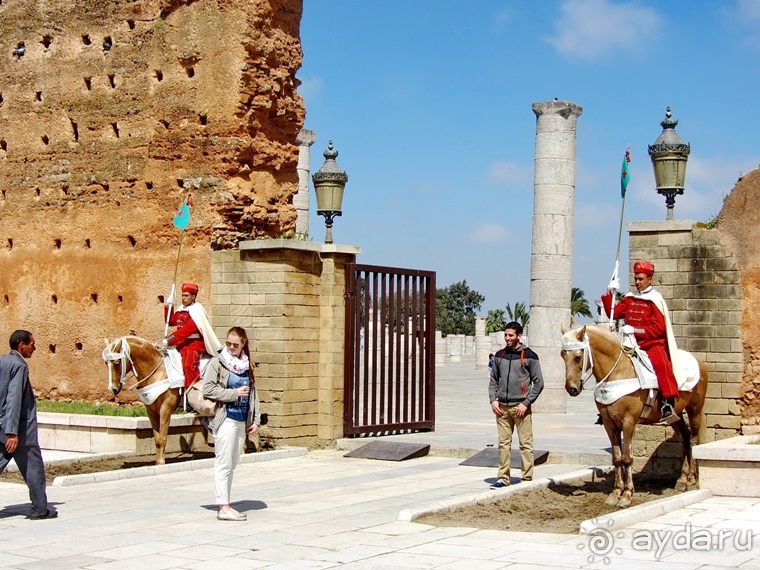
[202, 405]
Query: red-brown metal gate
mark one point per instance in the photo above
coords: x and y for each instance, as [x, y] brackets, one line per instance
[390, 350]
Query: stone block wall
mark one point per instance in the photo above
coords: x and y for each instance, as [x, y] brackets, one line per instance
[701, 283]
[288, 295]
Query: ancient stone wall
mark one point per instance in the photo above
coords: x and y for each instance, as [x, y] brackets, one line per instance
[739, 223]
[111, 112]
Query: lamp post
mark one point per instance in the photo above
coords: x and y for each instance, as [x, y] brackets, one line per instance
[329, 183]
[669, 155]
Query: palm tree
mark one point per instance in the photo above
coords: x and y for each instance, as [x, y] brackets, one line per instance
[521, 314]
[579, 305]
[495, 321]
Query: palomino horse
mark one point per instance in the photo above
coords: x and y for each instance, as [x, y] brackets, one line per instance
[596, 351]
[131, 354]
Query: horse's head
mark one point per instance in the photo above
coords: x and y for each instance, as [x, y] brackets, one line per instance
[117, 358]
[575, 353]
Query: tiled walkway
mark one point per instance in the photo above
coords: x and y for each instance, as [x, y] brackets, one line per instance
[322, 510]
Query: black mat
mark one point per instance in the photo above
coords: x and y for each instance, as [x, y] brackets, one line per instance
[489, 457]
[390, 451]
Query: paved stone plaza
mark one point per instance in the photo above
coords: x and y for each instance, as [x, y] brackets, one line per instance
[322, 510]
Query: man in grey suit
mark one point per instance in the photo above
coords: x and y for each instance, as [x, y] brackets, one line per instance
[18, 422]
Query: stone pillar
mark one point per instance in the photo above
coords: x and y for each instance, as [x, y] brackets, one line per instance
[304, 140]
[456, 347]
[289, 296]
[482, 344]
[440, 349]
[551, 262]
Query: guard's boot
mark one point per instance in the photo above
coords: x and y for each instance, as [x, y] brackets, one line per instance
[668, 410]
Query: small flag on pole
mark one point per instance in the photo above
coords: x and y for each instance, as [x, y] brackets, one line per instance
[625, 175]
[182, 217]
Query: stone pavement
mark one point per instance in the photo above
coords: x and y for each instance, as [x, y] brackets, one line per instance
[322, 510]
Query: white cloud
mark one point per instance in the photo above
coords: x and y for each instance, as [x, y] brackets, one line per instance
[508, 173]
[490, 233]
[598, 215]
[592, 29]
[311, 87]
[745, 16]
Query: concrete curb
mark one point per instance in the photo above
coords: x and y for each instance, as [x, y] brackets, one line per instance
[150, 470]
[89, 458]
[491, 496]
[640, 513]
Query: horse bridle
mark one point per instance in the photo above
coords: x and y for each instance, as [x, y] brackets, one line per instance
[123, 355]
[587, 368]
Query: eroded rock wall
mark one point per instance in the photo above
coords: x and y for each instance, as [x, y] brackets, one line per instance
[739, 223]
[112, 112]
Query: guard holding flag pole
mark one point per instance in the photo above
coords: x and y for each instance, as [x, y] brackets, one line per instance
[194, 335]
[646, 316]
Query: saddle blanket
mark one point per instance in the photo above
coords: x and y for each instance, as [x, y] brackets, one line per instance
[612, 390]
[175, 377]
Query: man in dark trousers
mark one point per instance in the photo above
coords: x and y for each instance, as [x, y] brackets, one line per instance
[516, 382]
[18, 422]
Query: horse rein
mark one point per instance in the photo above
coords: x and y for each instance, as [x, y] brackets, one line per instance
[110, 356]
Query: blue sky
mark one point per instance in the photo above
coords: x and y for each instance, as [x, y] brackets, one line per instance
[429, 104]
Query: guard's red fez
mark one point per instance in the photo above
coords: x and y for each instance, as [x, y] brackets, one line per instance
[643, 267]
[190, 288]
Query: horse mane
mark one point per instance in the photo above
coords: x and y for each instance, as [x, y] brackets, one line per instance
[601, 332]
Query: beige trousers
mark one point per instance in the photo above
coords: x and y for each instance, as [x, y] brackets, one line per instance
[506, 425]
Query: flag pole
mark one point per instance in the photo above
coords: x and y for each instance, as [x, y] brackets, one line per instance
[181, 221]
[625, 178]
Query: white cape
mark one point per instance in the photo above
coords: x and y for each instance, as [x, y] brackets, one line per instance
[200, 318]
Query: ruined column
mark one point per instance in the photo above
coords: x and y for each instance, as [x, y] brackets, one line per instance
[304, 140]
[551, 261]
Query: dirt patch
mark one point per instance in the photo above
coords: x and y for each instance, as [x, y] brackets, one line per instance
[558, 509]
[114, 464]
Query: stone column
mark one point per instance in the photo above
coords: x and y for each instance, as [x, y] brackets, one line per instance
[482, 344]
[551, 262]
[304, 140]
[440, 349]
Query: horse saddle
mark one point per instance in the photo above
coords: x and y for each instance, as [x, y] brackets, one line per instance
[174, 371]
[611, 391]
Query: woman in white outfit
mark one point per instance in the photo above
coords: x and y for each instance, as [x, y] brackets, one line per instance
[228, 379]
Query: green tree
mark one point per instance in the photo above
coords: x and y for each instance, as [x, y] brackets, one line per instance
[455, 309]
[495, 321]
[521, 313]
[579, 305]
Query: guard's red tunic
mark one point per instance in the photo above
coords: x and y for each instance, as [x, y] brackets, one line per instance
[189, 342]
[650, 333]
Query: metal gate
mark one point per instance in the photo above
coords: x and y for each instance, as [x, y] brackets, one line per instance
[390, 350]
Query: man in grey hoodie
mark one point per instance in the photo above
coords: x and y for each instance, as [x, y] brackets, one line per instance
[516, 382]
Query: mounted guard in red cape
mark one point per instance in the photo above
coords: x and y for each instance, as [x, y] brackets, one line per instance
[161, 370]
[623, 402]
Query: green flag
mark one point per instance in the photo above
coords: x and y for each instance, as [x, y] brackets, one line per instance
[625, 174]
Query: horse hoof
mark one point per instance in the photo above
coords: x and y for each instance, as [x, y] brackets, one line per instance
[681, 486]
[612, 500]
[624, 503]
[692, 486]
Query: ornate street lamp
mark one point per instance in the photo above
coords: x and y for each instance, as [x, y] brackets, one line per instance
[329, 183]
[669, 155]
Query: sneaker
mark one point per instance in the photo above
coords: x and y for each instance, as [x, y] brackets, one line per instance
[599, 421]
[499, 484]
[527, 479]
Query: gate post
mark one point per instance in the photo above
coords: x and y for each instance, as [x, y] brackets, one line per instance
[288, 295]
